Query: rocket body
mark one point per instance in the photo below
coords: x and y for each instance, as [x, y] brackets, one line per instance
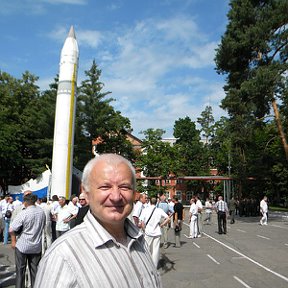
[62, 159]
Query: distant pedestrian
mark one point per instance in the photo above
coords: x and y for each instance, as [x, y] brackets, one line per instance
[17, 202]
[163, 204]
[264, 211]
[152, 221]
[222, 210]
[82, 210]
[232, 208]
[208, 211]
[178, 217]
[29, 223]
[193, 215]
[138, 208]
[7, 218]
[47, 231]
[199, 217]
[63, 215]
[54, 205]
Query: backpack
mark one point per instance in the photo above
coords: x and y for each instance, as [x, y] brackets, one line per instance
[8, 214]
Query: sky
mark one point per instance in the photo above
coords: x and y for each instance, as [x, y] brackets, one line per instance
[156, 56]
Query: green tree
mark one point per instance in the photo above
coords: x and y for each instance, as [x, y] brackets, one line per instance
[96, 118]
[192, 158]
[157, 158]
[22, 129]
[206, 121]
[253, 54]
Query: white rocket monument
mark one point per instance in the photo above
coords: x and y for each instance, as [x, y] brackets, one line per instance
[65, 118]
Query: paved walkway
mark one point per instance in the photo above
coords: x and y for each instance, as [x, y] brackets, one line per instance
[249, 256]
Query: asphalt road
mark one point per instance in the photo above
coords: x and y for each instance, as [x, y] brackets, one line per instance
[249, 255]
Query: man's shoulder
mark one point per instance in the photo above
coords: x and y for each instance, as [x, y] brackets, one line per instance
[161, 212]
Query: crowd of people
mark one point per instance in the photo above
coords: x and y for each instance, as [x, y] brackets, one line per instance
[113, 226]
[61, 215]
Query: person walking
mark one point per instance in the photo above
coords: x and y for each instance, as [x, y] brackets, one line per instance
[150, 220]
[264, 210]
[222, 210]
[178, 217]
[193, 214]
[232, 208]
[199, 215]
[29, 223]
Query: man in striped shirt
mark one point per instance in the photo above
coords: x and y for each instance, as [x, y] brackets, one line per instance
[28, 246]
[106, 250]
[222, 210]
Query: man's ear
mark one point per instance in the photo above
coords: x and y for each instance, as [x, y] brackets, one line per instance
[82, 190]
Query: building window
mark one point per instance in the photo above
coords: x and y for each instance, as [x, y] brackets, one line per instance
[179, 195]
[189, 195]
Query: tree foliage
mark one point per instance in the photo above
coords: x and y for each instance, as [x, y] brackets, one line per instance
[27, 125]
[253, 54]
[96, 118]
[206, 121]
[192, 158]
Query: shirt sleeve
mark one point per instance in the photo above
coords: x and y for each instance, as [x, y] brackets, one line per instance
[17, 223]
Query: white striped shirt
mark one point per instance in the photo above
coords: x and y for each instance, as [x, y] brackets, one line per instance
[31, 220]
[88, 256]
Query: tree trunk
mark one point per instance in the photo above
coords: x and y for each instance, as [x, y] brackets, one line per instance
[280, 128]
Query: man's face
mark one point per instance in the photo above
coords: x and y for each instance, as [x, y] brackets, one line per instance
[75, 200]
[111, 193]
[82, 201]
[144, 199]
[62, 201]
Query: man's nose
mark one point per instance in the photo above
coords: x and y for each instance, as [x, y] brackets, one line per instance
[116, 194]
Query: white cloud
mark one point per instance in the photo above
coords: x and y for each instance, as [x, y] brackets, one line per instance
[89, 38]
[153, 72]
[33, 7]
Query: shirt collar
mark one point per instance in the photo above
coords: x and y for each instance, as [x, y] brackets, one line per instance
[100, 235]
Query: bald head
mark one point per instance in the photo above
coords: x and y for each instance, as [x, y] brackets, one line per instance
[27, 192]
[110, 159]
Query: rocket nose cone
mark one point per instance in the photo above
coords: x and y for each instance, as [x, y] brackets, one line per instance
[72, 33]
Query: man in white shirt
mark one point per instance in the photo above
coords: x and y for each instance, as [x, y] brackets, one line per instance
[62, 217]
[138, 208]
[199, 217]
[193, 215]
[47, 231]
[74, 208]
[17, 202]
[264, 210]
[151, 221]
